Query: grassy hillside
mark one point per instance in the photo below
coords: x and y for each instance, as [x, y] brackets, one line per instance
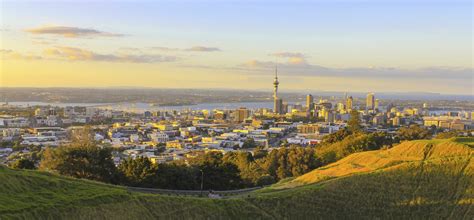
[436, 181]
[433, 151]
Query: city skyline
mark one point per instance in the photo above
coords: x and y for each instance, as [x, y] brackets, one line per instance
[385, 46]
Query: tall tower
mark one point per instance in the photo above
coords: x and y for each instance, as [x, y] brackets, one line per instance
[275, 85]
[277, 102]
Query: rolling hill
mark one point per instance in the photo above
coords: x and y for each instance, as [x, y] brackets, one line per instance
[417, 179]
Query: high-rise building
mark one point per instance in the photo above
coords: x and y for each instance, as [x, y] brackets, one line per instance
[370, 102]
[241, 114]
[349, 102]
[309, 105]
[278, 106]
[309, 101]
[376, 104]
[284, 108]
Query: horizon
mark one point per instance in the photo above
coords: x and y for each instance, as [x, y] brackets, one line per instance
[265, 90]
[382, 46]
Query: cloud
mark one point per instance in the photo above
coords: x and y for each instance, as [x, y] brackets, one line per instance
[258, 64]
[10, 54]
[167, 49]
[293, 58]
[294, 67]
[70, 32]
[203, 49]
[288, 54]
[297, 61]
[78, 54]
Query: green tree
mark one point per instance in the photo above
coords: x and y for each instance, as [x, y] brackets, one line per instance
[177, 176]
[336, 136]
[218, 174]
[81, 161]
[259, 153]
[24, 163]
[356, 142]
[265, 180]
[414, 132]
[354, 121]
[249, 143]
[138, 172]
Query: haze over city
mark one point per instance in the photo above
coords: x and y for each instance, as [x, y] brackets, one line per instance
[383, 46]
[236, 109]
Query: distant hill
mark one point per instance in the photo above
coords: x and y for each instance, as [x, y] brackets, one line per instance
[414, 180]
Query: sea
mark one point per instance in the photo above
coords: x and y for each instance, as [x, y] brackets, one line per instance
[142, 107]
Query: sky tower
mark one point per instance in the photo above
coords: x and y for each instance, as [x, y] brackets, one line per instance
[277, 102]
[275, 85]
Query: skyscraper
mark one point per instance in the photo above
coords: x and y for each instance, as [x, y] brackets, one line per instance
[349, 103]
[370, 102]
[241, 114]
[309, 105]
[309, 101]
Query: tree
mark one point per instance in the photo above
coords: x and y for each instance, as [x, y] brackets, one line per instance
[378, 140]
[249, 143]
[259, 153]
[353, 143]
[24, 163]
[414, 132]
[336, 136]
[177, 176]
[218, 174]
[292, 161]
[81, 161]
[138, 172]
[446, 135]
[354, 121]
[265, 180]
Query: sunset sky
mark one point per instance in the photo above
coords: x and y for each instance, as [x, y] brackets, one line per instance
[380, 46]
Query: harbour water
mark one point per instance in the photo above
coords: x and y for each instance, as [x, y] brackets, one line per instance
[141, 107]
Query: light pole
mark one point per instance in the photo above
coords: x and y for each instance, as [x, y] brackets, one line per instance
[202, 180]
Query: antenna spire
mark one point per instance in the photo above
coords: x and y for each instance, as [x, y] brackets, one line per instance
[276, 71]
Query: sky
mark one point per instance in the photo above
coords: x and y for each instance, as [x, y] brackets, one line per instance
[321, 45]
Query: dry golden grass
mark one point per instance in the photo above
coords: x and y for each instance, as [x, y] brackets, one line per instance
[407, 152]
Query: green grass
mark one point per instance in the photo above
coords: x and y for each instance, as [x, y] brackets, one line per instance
[435, 187]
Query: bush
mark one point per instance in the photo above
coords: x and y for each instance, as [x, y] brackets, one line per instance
[414, 132]
[81, 161]
[24, 164]
[265, 180]
[446, 135]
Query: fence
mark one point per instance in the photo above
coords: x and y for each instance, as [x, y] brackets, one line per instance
[224, 193]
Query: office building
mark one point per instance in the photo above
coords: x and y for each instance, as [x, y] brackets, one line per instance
[370, 102]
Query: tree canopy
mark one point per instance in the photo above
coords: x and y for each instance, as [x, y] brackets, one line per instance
[24, 163]
[81, 161]
[414, 132]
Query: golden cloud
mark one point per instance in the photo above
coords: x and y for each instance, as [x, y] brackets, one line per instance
[71, 32]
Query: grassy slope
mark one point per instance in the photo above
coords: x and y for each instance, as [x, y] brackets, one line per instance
[408, 152]
[437, 187]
